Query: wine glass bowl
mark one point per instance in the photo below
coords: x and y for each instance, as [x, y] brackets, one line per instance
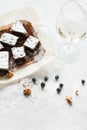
[71, 25]
[71, 21]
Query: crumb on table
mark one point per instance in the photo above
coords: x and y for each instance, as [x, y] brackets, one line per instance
[69, 100]
[27, 91]
[77, 92]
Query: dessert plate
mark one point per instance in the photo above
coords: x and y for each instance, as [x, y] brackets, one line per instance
[28, 14]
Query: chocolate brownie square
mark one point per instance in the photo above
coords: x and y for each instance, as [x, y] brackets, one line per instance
[18, 29]
[31, 43]
[4, 62]
[8, 39]
[19, 55]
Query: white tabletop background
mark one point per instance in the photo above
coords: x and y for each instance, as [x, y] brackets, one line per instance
[46, 110]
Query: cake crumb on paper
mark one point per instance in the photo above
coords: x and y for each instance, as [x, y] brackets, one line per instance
[10, 74]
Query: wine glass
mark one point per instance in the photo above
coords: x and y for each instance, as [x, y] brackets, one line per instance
[71, 25]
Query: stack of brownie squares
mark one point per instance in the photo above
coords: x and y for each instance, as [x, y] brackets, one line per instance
[12, 53]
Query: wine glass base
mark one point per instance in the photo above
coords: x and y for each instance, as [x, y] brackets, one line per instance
[68, 53]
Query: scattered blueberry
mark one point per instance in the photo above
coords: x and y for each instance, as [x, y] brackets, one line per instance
[56, 77]
[61, 85]
[42, 85]
[58, 90]
[45, 78]
[34, 80]
[83, 82]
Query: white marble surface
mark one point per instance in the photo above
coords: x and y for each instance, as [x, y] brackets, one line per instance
[45, 110]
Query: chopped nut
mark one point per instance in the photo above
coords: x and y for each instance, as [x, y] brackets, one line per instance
[26, 91]
[9, 74]
[77, 92]
[69, 100]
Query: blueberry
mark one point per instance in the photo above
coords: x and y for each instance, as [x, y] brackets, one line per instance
[83, 82]
[58, 90]
[34, 80]
[42, 85]
[61, 85]
[56, 77]
[45, 78]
